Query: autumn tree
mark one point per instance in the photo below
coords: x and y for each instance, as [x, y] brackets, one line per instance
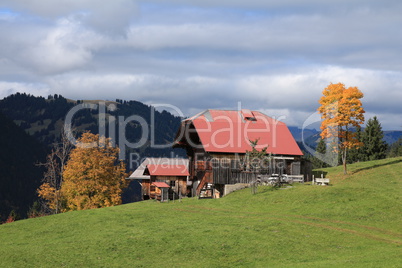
[93, 176]
[341, 111]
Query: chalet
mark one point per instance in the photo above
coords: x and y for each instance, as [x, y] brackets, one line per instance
[217, 142]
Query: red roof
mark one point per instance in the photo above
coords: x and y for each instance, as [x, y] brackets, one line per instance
[168, 170]
[160, 184]
[231, 132]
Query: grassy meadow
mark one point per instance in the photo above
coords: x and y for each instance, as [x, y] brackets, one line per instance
[354, 222]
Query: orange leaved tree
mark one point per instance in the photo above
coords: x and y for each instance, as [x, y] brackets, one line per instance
[93, 177]
[341, 111]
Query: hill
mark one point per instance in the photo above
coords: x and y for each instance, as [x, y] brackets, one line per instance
[300, 134]
[20, 176]
[391, 137]
[312, 139]
[44, 119]
[355, 222]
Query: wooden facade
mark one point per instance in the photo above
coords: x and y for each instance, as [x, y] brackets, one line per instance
[224, 170]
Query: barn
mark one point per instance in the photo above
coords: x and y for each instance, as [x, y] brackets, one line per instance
[218, 142]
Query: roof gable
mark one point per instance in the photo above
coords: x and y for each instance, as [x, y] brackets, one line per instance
[168, 170]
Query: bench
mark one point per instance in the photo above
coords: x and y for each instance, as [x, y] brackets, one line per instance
[295, 178]
[321, 181]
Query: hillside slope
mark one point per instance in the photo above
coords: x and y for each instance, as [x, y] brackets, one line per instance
[44, 119]
[19, 174]
[355, 222]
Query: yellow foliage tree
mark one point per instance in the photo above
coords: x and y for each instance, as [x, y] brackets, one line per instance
[51, 195]
[93, 177]
[341, 111]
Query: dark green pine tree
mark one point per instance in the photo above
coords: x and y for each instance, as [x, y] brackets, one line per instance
[357, 154]
[374, 146]
[317, 161]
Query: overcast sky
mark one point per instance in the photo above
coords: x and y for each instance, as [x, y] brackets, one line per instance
[274, 56]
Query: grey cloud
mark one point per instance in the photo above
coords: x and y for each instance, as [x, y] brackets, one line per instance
[306, 4]
[111, 17]
[325, 39]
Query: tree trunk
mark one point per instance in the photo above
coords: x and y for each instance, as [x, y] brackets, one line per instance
[344, 167]
[344, 153]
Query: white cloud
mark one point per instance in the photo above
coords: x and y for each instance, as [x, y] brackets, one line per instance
[64, 47]
[301, 90]
[50, 48]
[274, 56]
[294, 95]
[146, 87]
[8, 88]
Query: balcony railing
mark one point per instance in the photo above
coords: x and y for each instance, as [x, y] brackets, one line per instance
[229, 171]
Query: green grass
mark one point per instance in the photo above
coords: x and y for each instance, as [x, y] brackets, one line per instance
[355, 222]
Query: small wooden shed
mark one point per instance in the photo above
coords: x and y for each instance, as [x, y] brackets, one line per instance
[159, 191]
